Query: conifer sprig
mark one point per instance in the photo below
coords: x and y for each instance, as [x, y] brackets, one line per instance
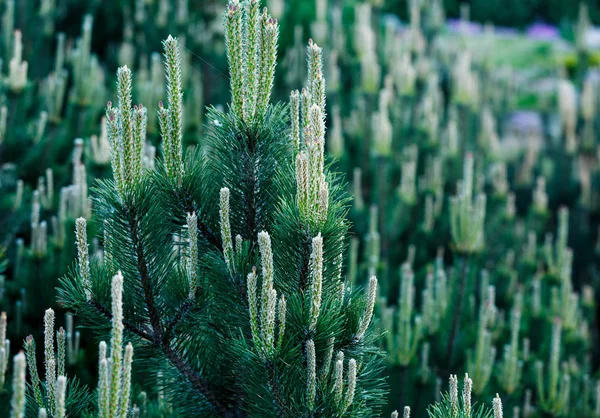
[61, 393]
[554, 391]
[171, 117]
[33, 370]
[405, 332]
[317, 280]
[454, 406]
[58, 395]
[116, 341]
[103, 383]
[252, 284]
[234, 43]
[311, 373]
[467, 215]
[83, 255]
[126, 129]
[114, 367]
[270, 38]
[251, 42]
[126, 126]
[295, 118]
[253, 58]
[192, 225]
[311, 183]
[226, 229]
[17, 404]
[50, 359]
[4, 355]
[368, 314]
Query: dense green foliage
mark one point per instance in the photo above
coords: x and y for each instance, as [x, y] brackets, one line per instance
[426, 206]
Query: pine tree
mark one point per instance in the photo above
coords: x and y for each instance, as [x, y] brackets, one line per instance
[231, 254]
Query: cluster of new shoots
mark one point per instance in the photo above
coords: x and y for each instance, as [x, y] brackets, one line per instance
[405, 75]
[171, 118]
[382, 126]
[432, 182]
[467, 214]
[368, 314]
[434, 300]
[567, 101]
[481, 363]
[114, 366]
[554, 391]
[52, 397]
[18, 400]
[559, 256]
[564, 302]
[85, 66]
[404, 332]
[405, 414]
[251, 42]
[265, 309]
[308, 136]
[454, 405]
[465, 82]
[511, 369]
[343, 399]
[126, 126]
[55, 85]
[17, 71]
[366, 46]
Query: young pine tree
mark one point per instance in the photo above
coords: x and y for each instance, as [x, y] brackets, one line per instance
[231, 254]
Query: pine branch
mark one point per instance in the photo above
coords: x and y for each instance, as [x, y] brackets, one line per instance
[182, 311]
[305, 263]
[199, 383]
[203, 228]
[108, 315]
[275, 388]
[155, 321]
[248, 163]
[208, 235]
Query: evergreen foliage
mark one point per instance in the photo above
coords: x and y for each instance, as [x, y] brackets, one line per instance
[213, 261]
[249, 330]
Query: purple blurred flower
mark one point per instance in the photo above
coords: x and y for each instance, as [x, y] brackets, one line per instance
[472, 28]
[543, 31]
[525, 121]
